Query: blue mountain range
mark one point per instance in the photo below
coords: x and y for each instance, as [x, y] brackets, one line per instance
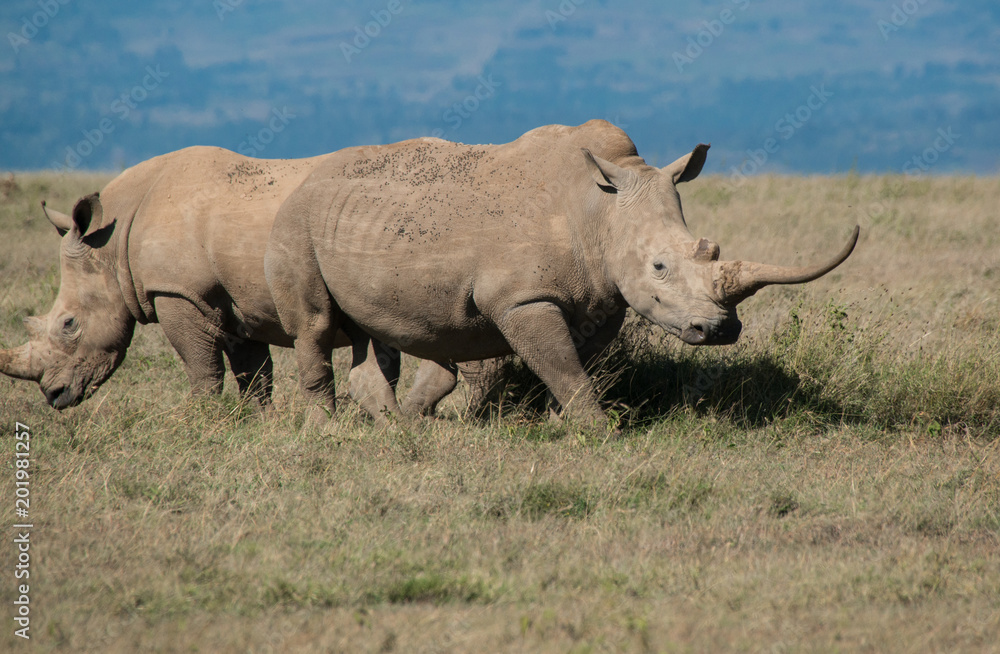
[778, 86]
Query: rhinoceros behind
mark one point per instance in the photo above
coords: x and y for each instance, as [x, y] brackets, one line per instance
[455, 252]
[178, 240]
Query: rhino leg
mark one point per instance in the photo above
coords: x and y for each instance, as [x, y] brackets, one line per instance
[538, 333]
[484, 379]
[309, 315]
[313, 350]
[433, 382]
[593, 350]
[196, 340]
[374, 374]
[253, 368]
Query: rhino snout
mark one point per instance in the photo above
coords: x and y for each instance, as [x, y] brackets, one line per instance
[62, 397]
[705, 332]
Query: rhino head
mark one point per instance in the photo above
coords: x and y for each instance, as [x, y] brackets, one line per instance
[80, 342]
[666, 275]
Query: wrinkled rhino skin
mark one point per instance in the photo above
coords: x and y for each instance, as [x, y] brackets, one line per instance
[455, 252]
[179, 240]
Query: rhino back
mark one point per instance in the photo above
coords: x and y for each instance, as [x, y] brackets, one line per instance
[424, 240]
[201, 219]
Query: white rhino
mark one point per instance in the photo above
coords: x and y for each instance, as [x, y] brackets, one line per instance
[178, 240]
[455, 252]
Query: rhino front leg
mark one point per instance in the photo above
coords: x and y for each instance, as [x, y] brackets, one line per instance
[196, 340]
[594, 348]
[538, 333]
[253, 368]
[433, 382]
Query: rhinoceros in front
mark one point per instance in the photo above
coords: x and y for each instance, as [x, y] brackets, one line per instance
[455, 252]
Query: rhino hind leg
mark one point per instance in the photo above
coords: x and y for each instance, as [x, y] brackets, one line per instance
[374, 374]
[196, 340]
[486, 381]
[538, 333]
[253, 368]
[313, 352]
[433, 382]
[309, 315]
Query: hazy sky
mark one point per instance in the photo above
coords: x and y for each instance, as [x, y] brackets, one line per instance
[871, 85]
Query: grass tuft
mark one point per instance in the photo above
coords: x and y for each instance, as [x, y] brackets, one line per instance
[556, 499]
[437, 589]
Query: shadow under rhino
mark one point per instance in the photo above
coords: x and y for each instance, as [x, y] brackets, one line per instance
[644, 384]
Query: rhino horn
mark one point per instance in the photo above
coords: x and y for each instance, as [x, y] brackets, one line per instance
[61, 221]
[17, 363]
[735, 281]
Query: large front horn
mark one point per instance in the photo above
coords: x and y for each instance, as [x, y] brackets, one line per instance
[735, 281]
[17, 363]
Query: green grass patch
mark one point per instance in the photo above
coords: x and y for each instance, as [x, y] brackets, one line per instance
[556, 499]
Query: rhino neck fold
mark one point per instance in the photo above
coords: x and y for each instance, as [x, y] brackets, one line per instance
[140, 308]
[606, 244]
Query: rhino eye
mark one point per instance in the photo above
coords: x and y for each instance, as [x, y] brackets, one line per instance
[69, 324]
[659, 269]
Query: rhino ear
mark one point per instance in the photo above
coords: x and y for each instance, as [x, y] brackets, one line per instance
[88, 215]
[689, 166]
[605, 173]
[59, 220]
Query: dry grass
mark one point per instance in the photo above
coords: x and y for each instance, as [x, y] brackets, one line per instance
[831, 483]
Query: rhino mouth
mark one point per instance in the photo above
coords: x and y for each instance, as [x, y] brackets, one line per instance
[62, 397]
[724, 333]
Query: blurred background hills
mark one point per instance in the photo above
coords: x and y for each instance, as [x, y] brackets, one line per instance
[776, 86]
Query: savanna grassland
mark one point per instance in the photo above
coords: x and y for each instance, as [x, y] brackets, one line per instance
[830, 483]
